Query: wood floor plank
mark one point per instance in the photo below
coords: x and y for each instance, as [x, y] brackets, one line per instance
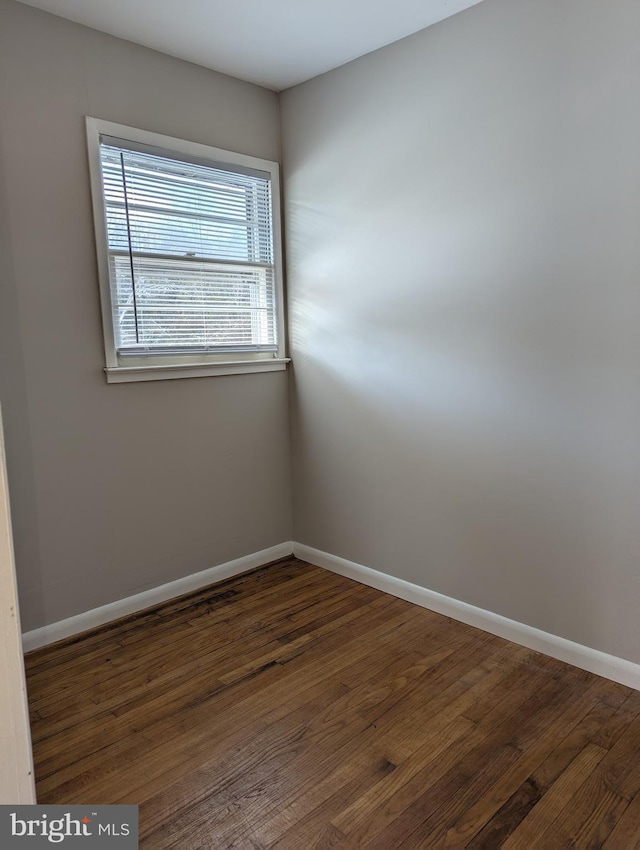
[222, 705]
[361, 668]
[587, 820]
[293, 708]
[386, 817]
[527, 836]
[342, 711]
[200, 653]
[124, 666]
[565, 746]
[434, 812]
[140, 623]
[473, 819]
[293, 823]
[432, 733]
[626, 833]
[163, 692]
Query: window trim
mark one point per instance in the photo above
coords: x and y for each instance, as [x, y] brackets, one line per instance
[155, 367]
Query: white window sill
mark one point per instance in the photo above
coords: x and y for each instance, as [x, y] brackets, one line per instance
[126, 374]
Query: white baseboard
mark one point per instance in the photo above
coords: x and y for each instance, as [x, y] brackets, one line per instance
[600, 663]
[593, 660]
[148, 598]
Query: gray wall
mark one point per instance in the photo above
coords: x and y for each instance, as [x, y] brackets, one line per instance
[115, 488]
[463, 218]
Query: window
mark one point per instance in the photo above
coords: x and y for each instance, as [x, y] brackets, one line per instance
[189, 256]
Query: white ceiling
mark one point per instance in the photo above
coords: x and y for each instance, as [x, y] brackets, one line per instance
[275, 43]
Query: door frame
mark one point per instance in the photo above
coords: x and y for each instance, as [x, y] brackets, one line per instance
[17, 783]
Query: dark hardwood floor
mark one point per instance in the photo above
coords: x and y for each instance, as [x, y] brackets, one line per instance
[293, 708]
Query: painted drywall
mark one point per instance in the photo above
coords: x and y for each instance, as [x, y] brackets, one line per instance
[116, 488]
[462, 223]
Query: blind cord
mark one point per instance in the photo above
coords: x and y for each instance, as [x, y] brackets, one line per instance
[133, 275]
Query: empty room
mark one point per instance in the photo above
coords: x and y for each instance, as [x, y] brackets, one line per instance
[320, 393]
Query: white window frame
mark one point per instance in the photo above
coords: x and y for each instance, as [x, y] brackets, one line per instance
[158, 367]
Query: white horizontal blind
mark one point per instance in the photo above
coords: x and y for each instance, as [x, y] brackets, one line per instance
[190, 254]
